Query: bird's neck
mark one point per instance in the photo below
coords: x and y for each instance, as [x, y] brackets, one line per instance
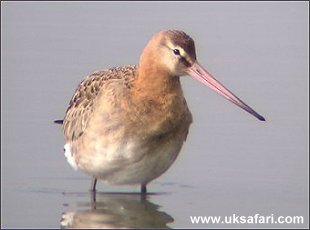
[158, 99]
[155, 83]
[153, 80]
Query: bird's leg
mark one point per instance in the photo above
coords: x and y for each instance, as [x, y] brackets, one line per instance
[93, 199]
[143, 188]
[93, 191]
[93, 184]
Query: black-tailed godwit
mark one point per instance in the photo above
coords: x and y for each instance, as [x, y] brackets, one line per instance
[126, 125]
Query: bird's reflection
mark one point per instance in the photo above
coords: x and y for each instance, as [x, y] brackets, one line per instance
[116, 210]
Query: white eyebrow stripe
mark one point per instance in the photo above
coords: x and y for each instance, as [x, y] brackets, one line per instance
[172, 47]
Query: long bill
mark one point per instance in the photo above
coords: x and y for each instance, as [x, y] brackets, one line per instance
[202, 75]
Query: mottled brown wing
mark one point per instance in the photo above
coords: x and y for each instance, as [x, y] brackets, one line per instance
[83, 101]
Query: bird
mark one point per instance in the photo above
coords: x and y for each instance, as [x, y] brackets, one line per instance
[126, 125]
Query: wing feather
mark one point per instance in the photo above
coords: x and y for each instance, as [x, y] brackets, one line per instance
[84, 99]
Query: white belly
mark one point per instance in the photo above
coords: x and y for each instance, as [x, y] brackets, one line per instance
[127, 162]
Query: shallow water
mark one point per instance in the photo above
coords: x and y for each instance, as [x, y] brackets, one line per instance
[230, 164]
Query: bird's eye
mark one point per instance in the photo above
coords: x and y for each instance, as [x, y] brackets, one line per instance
[176, 51]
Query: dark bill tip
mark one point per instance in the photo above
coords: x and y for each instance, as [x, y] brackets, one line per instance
[261, 118]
